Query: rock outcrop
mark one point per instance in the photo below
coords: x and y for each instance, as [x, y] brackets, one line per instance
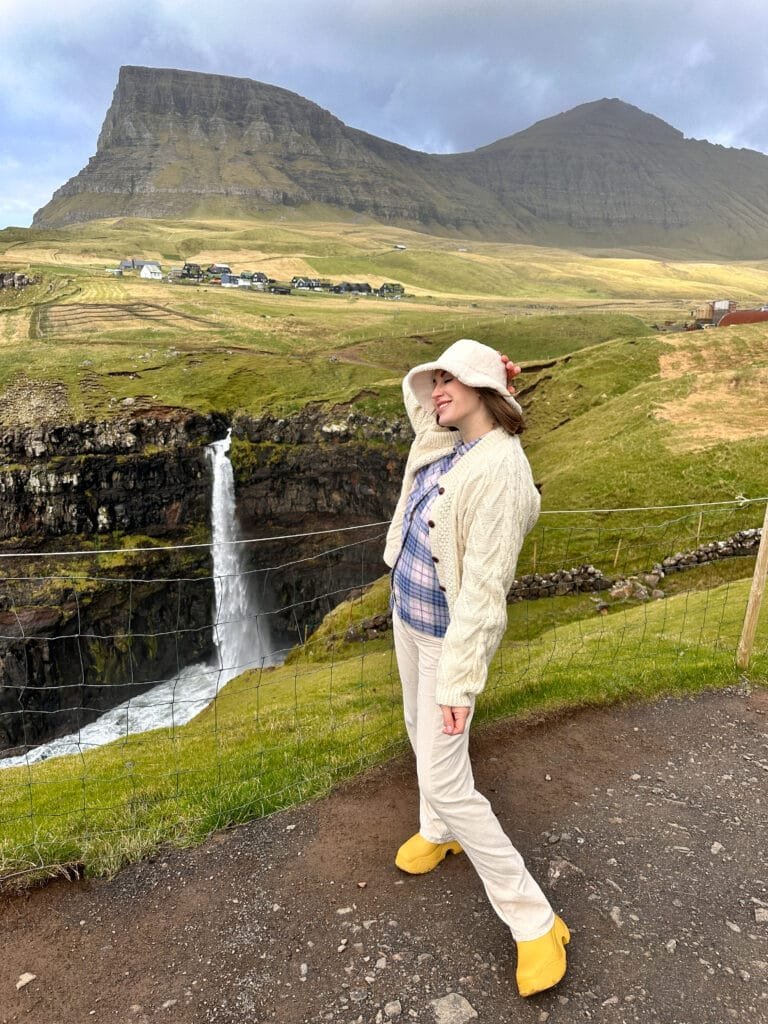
[82, 633]
[180, 143]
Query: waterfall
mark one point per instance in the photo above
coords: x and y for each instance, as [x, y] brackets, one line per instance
[240, 643]
[241, 638]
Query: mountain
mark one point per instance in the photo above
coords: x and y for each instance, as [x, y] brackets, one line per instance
[181, 143]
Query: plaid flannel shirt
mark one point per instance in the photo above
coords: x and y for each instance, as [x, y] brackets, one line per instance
[416, 593]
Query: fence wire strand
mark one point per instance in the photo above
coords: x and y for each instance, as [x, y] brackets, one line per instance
[607, 605]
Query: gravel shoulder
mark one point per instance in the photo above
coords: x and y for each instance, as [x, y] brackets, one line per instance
[646, 824]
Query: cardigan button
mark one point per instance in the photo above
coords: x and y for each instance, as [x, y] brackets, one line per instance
[431, 524]
[443, 589]
[435, 558]
[441, 490]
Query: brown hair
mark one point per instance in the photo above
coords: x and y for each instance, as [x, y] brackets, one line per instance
[501, 411]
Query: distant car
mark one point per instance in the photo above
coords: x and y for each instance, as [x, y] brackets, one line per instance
[279, 289]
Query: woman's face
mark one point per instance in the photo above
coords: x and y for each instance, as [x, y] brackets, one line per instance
[456, 404]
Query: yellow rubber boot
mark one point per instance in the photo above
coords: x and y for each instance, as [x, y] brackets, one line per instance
[417, 855]
[541, 962]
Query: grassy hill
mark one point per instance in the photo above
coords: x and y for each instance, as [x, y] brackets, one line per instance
[289, 734]
[619, 416]
[107, 338]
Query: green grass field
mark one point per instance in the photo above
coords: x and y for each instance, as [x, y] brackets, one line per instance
[619, 416]
[289, 734]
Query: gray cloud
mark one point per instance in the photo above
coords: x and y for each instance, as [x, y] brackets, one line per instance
[436, 75]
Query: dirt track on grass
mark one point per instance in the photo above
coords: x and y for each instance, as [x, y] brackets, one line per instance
[646, 825]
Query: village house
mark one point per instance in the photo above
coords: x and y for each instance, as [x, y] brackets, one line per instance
[11, 279]
[136, 264]
[151, 271]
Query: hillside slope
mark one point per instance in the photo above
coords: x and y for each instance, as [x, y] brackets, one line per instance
[180, 143]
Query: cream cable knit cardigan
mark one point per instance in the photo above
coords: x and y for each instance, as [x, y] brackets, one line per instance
[486, 505]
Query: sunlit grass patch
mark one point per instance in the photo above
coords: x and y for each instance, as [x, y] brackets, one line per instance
[288, 734]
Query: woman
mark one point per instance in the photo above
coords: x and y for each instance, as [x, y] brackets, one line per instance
[467, 502]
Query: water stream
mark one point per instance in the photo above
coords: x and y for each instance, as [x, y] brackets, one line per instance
[241, 637]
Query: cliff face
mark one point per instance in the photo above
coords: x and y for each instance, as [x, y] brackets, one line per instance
[92, 478]
[173, 140]
[178, 143]
[75, 646]
[326, 477]
[81, 634]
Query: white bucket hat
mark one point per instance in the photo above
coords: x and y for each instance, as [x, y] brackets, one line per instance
[471, 362]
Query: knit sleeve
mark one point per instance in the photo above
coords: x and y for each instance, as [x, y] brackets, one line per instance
[429, 443]
[505, 508]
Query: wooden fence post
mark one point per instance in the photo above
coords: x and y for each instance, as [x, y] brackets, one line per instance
[744, 650]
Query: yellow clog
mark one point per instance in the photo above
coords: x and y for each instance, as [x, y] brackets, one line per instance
[541, 962]
[417, 855]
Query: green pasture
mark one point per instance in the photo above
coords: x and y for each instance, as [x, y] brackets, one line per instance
[288, 734]
[619, 416]
[322, 243]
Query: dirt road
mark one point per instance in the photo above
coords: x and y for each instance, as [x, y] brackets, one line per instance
[647, 825]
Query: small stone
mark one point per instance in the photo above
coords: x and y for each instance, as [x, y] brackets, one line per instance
[744, 975]
[169, 1003]
[393, 1009]
[671, 946]
[761, 915]
[24, 979]
[716, 848]
[453, 1009]
[615, 915]
[344, 910]
[733, 926]
[381, 963]
[610, 1001]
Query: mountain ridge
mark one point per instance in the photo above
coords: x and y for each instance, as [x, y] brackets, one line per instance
[176, 143]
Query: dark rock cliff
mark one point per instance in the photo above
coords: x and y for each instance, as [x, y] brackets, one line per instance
[82, 633]
[317, 478]
[79, 634]
[178, 143]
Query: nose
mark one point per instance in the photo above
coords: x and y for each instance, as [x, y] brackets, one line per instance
[437, 389]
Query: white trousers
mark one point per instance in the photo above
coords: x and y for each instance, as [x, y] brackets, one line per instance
[449, 805]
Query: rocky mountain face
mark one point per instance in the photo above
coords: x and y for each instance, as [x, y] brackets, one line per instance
[180, 143]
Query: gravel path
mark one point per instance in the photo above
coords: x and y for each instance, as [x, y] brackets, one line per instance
[646, 824]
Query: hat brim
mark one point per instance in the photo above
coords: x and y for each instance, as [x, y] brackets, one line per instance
[420, 381]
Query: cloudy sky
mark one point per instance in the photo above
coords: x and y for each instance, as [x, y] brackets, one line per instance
[436, 75]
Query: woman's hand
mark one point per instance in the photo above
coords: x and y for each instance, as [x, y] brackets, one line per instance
[512, 370]
[454, 719]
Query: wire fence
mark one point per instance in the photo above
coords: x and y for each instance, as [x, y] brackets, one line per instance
[146, 698]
